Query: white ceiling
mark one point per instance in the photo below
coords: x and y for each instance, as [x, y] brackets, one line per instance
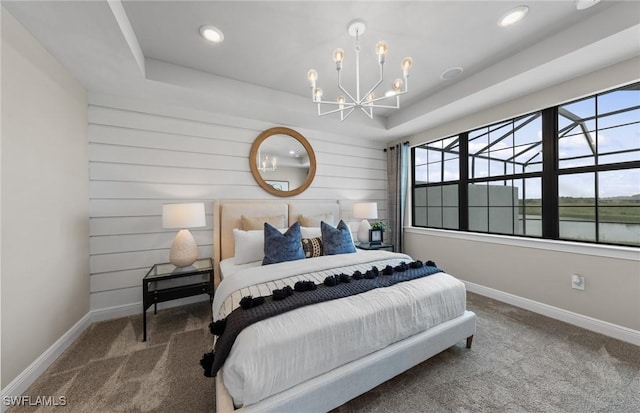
[152, 49]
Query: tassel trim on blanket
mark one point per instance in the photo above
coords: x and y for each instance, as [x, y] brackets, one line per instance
[251, 308]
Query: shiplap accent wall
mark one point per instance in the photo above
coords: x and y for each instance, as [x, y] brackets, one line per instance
[144, 154]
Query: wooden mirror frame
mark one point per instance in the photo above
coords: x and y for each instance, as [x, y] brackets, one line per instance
[280, 130]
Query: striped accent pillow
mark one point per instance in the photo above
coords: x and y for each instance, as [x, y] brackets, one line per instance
[312, 247]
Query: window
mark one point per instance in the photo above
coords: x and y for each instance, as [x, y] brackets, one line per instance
[436, 201]
[598, 178]
[494, 179]
[505, 163]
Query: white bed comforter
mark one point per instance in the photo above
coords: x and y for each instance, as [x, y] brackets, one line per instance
[280, 352]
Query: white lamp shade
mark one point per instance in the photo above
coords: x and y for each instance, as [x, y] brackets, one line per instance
[181, 216]
[365, 210]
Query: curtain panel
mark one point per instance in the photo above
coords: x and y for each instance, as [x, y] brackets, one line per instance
[397, 162]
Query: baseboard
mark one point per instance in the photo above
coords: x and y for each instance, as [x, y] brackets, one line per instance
[109, 313]
[22, 382]
[589, 323]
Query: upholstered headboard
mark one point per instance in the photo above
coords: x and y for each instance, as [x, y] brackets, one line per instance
[227, 213]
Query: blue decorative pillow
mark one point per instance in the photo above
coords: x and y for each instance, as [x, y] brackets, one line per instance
[336, 240]
[279, 247]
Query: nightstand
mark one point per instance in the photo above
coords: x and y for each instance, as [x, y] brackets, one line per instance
[370, 246]
[165, 282]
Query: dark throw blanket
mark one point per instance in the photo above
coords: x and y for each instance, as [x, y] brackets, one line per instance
[256, 309]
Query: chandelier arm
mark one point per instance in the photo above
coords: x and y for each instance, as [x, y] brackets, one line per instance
[330, 102]
[369, 112]
[378, 82]
[343, 116]
[359, 100]
[371, 91]
[343, 89]
[353, 101]
[320, 113]
[397, 95]
[405, 89]
[396, 106]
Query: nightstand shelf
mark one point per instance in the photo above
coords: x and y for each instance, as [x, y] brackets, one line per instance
[165, 282]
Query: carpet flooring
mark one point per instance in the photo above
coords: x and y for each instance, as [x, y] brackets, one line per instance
[520, 362]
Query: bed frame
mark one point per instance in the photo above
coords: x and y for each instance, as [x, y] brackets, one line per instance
[334, 388]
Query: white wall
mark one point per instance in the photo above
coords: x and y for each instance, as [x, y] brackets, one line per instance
[143, 154]
[45, 208]
[541, 271]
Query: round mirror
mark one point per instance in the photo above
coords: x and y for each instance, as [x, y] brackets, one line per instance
[282, 161]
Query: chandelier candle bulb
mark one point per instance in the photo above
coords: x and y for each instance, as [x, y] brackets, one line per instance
[381, 50]
[406, 64]
[317, 94]
[338, 57]
[312, 75]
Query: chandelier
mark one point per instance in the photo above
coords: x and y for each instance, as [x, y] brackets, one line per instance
[367, 101]
[265, 164]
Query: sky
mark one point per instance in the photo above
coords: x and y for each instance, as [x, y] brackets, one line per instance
[611, 133]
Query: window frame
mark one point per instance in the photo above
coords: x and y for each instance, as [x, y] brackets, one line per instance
[549, 175]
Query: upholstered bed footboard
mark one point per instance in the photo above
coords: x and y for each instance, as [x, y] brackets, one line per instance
[340, 385]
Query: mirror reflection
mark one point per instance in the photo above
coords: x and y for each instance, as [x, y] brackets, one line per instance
[282, 161]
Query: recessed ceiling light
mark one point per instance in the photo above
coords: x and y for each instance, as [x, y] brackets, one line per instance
[513, 16]
[585, 4]
[212, 34]
[451, 73]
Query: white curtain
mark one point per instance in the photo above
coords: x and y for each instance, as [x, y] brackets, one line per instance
[397, 164]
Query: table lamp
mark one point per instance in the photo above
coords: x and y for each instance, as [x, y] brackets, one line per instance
[365, 210]
[184, 250]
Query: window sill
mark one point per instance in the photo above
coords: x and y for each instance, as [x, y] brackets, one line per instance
[608, 251]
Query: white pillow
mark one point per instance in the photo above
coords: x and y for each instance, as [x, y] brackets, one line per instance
[249, 246]
[310, 232]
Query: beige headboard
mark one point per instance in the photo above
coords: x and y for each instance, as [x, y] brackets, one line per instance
[227, 213]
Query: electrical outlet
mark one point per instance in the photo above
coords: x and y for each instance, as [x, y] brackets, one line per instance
[577, 282]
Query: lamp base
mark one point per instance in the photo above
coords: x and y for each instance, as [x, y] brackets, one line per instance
[363, 231]
[184, 250]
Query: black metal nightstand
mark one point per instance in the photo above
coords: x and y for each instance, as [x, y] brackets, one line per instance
[165, 282]
[370, 246]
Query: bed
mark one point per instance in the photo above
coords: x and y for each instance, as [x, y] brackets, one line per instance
[314, 358]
